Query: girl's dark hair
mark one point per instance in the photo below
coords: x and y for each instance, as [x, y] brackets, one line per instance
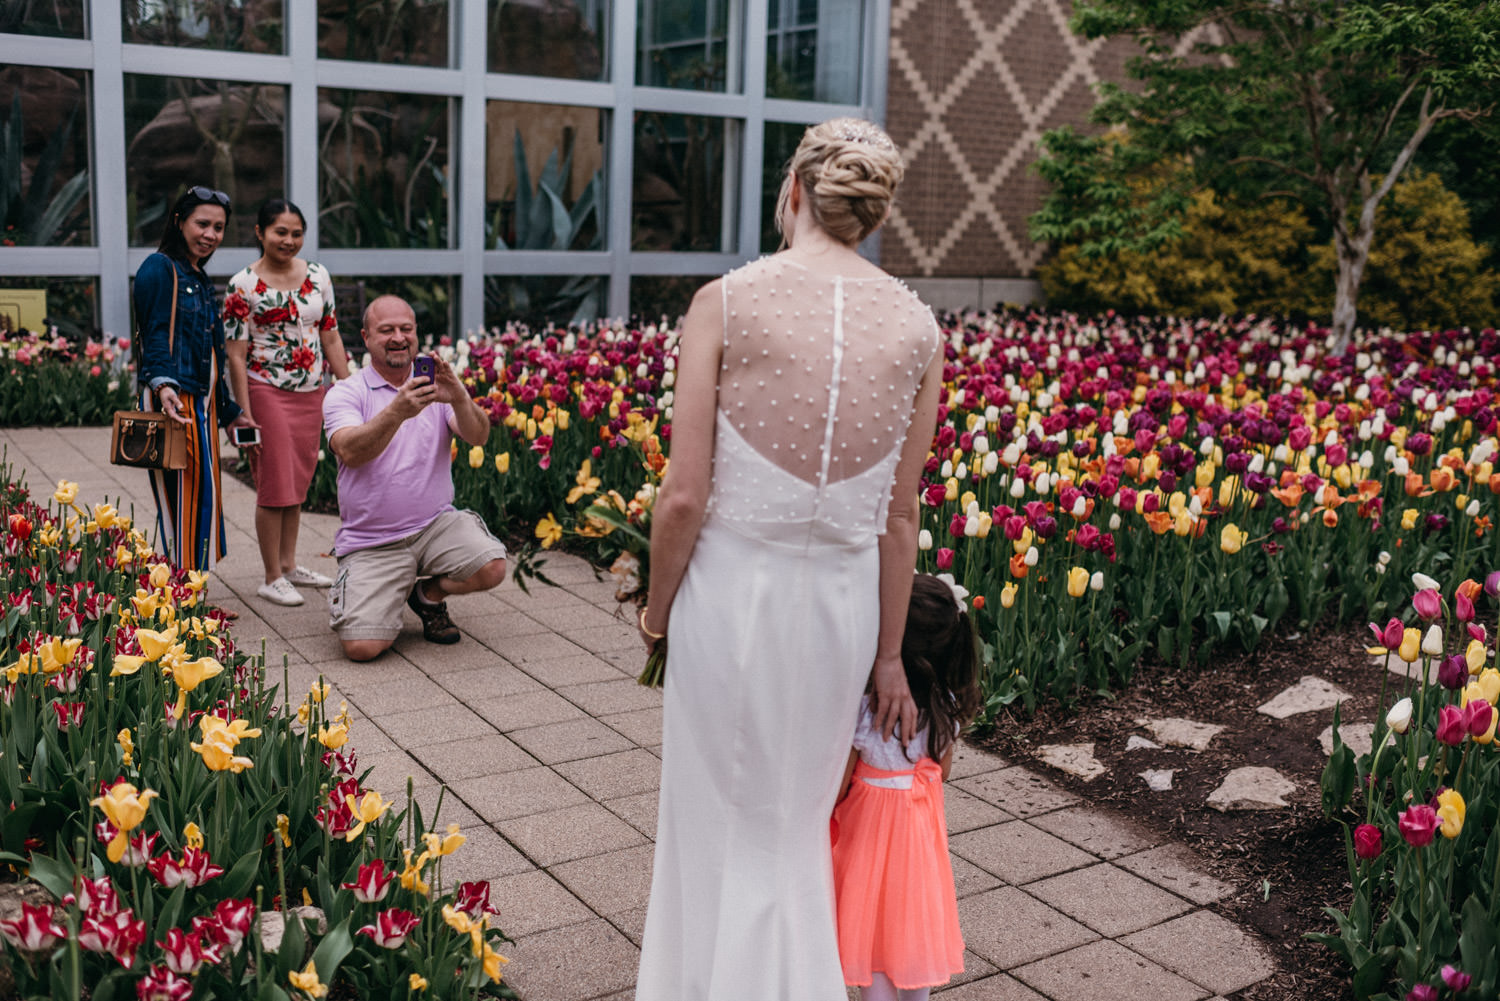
[942, 662]
[272, 209]
[172, 242]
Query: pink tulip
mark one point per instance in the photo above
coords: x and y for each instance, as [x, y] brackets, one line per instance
[1390, 636]
[1477, 715]
[1451, 728]
[1492, 584]
[1367, 840]
[945, 559]
[1418, 823]
[1463, 608]
[1456, 979]
[1421, 992]
[1428, 603]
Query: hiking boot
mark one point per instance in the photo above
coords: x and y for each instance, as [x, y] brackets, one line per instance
[436, 626]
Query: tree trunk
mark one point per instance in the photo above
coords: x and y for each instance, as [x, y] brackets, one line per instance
[1353, 252]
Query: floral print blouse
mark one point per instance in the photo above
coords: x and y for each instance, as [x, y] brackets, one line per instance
[284, 328]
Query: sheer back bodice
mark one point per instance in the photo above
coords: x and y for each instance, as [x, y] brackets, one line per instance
[816, 389]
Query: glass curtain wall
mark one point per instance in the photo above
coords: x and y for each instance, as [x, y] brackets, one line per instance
[493, 161]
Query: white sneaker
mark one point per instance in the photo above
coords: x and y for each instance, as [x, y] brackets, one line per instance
[307, 578]
[281, 592]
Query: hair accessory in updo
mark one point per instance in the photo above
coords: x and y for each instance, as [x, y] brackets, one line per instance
[857, 130]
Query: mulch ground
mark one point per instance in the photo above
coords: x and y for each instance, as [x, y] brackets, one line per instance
[1285, 865]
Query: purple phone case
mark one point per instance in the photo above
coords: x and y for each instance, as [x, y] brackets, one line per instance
[424, 366]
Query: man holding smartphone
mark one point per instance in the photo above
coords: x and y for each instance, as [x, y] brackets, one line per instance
[390, 426]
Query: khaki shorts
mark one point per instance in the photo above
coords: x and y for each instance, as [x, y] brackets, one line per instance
[366, 598]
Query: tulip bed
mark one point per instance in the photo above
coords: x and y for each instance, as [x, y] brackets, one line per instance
[1424, 851]
[1105, 489]
[174, 804]
[50, 381]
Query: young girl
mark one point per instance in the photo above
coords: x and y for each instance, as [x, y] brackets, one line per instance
[897, 908]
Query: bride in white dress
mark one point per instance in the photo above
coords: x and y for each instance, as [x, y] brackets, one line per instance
[783, 543]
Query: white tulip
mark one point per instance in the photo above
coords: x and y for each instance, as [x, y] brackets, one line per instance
[924, 540]
[1096, 582]
[1422, 582]
[1432, 643]
[1399, 718]
[1032, 556]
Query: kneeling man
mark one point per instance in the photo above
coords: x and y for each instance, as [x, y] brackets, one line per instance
[401, 538]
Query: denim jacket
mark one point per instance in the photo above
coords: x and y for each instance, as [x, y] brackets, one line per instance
[199, 337]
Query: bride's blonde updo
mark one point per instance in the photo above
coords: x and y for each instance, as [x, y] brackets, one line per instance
[849, 169]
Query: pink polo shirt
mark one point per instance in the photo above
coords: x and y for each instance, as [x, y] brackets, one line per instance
[400, 491]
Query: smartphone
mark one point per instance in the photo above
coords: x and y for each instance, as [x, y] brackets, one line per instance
[424, 366]
[243, 437]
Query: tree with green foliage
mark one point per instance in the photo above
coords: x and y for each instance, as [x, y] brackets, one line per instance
[1322, 101]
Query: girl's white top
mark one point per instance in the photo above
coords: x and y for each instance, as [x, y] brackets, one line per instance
[886, 753]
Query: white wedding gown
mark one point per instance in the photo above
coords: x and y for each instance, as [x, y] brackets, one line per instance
[773, 632]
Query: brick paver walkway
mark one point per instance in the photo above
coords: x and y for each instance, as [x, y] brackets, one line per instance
[549, 752]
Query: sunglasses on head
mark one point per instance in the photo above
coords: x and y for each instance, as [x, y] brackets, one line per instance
[205, 195]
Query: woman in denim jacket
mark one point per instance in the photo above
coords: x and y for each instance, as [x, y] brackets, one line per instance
[181, 374]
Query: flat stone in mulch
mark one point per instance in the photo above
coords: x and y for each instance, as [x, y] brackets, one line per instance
[1358, 737]
[1177, 732]
[1310, 694]
[1075, 759]
[1252, 788]
[1158, 779]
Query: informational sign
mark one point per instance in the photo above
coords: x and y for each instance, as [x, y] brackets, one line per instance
[22, 309]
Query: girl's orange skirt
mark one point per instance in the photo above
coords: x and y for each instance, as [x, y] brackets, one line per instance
[897, 907]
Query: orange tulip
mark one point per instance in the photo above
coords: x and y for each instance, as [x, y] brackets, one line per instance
[1018, 568]
[1330, 518]
[1415, 486]
[1159, 522]
[1470, 589]
[1443, 480]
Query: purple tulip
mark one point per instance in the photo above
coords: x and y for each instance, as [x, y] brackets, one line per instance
[1492, 584]
[1453, 673]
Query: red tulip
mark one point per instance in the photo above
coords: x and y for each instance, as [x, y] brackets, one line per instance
[1456, 979]
[372, 882]
[117, 935]
[1477, 716]
[391, 928]
[161, 984]
[1367, 840]
[34, 930]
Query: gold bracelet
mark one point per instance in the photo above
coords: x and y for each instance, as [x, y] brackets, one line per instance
[641, 620]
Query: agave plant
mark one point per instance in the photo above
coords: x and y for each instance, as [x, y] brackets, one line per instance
[541, 220]
[32, 214]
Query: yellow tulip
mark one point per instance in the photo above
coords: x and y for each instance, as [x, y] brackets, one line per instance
[1232, 538]
[307, 981]
[1182, 525]
[197, 581]
[1489, 683]
[1409, 519]
[192, 836]
[1451, 810]
[476, 456]
[587, 482]
[950, 489]
[105, 516]
[26, 663]
[1411, 645]
[239, 728]
[1008, 595]
[125, 808]
[284, 829]
[1078, 582]
[549, 531]
[1474, 656]
[966, 499]
[1177, 503]
[411, 874]
[562, 420]
[438, 845]
[334, 737]
[217, 751]
[66, 493]
[127, 746]
[1228, 490]
[416, 982]
[502, 465]
[161, 576]
[57, 653]
[366, 810]
[1204, 475]
[1024, 542]
[154, 644]
[492, 963]
[319, 691]
[189, 674]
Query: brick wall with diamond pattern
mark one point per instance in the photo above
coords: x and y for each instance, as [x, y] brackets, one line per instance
[973, 84]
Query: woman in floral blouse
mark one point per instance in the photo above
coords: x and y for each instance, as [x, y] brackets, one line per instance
[281, 334]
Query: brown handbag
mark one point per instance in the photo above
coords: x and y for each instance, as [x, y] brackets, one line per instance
[149, 439]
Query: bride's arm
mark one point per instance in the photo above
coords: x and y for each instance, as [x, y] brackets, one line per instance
[678, 512]
[894, 705]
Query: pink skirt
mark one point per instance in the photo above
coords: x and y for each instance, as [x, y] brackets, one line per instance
[897, 906]
[291, 426]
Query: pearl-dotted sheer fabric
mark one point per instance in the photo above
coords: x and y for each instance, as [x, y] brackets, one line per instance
[818, 380]
[772, 634]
